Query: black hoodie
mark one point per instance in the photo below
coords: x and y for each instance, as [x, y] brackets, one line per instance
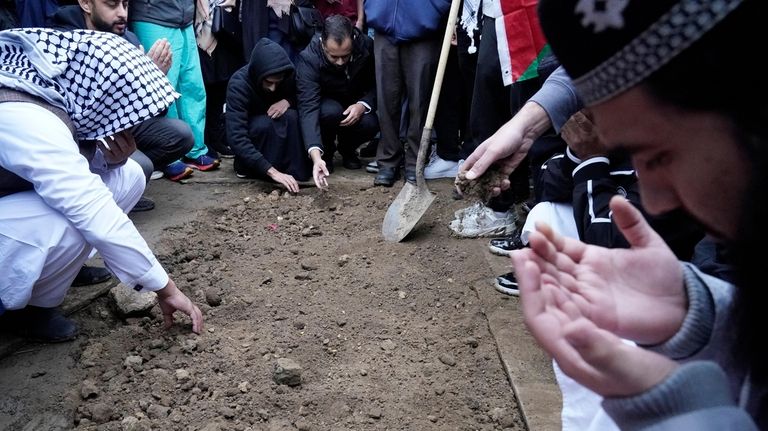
[246, 98]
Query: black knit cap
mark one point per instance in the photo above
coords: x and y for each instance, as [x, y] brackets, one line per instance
[609, 46]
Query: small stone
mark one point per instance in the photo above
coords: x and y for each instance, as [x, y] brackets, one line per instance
[189, 346]
[447, 359]
[130, 302]
[182, 375]
[156, 343]
[299, 325]
[502, 417]
[302, 425]
[101, 412]
[471, 342]
[432, 418]
[308, 266]
[341, 322]
[212, 297]
[287, 372]
[157, 411]
[363, 372]
[88, 389]
[388, 345]
[401, 294]
[303, 277]
[243, 387]
[36, 374]
[343, 259]
[134, 362]
[227, 412]
[375, 413]
[439, 391]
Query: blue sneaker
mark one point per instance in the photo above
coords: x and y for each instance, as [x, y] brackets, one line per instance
[203, 163]
[177, 171]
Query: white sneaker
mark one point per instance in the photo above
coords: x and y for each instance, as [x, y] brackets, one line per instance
[479, 220]
[440, 168]
[156, 175]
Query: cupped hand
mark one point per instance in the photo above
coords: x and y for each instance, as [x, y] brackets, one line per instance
[594, 357]
[636, 293]
[171, 300]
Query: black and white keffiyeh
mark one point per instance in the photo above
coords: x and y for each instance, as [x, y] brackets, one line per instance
[104, 83]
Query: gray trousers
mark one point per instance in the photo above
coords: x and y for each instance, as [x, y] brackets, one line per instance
[406, 70]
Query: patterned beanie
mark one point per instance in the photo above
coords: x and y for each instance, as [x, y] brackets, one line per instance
[104, 83]
[609, 46]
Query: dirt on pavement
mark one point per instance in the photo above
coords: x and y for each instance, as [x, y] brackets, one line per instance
[313, 322]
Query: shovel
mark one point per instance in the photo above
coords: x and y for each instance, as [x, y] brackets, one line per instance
[414, 200]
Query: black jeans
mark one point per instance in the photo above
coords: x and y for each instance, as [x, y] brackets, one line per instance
[349, 137]
[163, 140]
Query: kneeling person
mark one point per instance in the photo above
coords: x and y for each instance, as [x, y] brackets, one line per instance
[262, 122]
[67, 101]
[336, 81]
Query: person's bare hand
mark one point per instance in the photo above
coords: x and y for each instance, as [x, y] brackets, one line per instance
[117, 148]
[353, 114]
[580, 134]
[285, 179]
[320, 174]
[277, 109]
[171, 300]
[507, 147]
[636, 293]
[161, 54]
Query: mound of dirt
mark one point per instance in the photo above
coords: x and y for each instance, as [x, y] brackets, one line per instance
[313, 322]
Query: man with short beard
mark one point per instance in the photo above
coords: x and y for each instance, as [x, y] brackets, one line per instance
[336, 83]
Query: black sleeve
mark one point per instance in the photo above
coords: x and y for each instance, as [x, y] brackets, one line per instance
[555, 181]
[593, 188]
[308, 95]
[238, 119]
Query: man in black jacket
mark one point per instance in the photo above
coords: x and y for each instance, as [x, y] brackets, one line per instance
[262, 122]
[337, 91]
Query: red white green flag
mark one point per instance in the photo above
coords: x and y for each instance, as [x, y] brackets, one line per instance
[520, 40]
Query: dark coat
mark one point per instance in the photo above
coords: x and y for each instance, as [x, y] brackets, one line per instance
[317, 78]
[246, 99]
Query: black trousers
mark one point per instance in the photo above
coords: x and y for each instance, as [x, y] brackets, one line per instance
[349, 137]
[163, 140]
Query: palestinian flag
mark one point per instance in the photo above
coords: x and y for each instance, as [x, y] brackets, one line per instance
[520, 40]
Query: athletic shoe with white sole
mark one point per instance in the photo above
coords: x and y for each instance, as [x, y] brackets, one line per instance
[479, 220]
[507, 284]
[506, 245]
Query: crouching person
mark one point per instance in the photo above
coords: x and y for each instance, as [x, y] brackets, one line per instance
[262, 122]
[66, 183]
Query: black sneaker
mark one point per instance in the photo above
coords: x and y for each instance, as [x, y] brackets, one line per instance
[507, 284]
[506, 245]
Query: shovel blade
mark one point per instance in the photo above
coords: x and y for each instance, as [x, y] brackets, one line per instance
[405, 211]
